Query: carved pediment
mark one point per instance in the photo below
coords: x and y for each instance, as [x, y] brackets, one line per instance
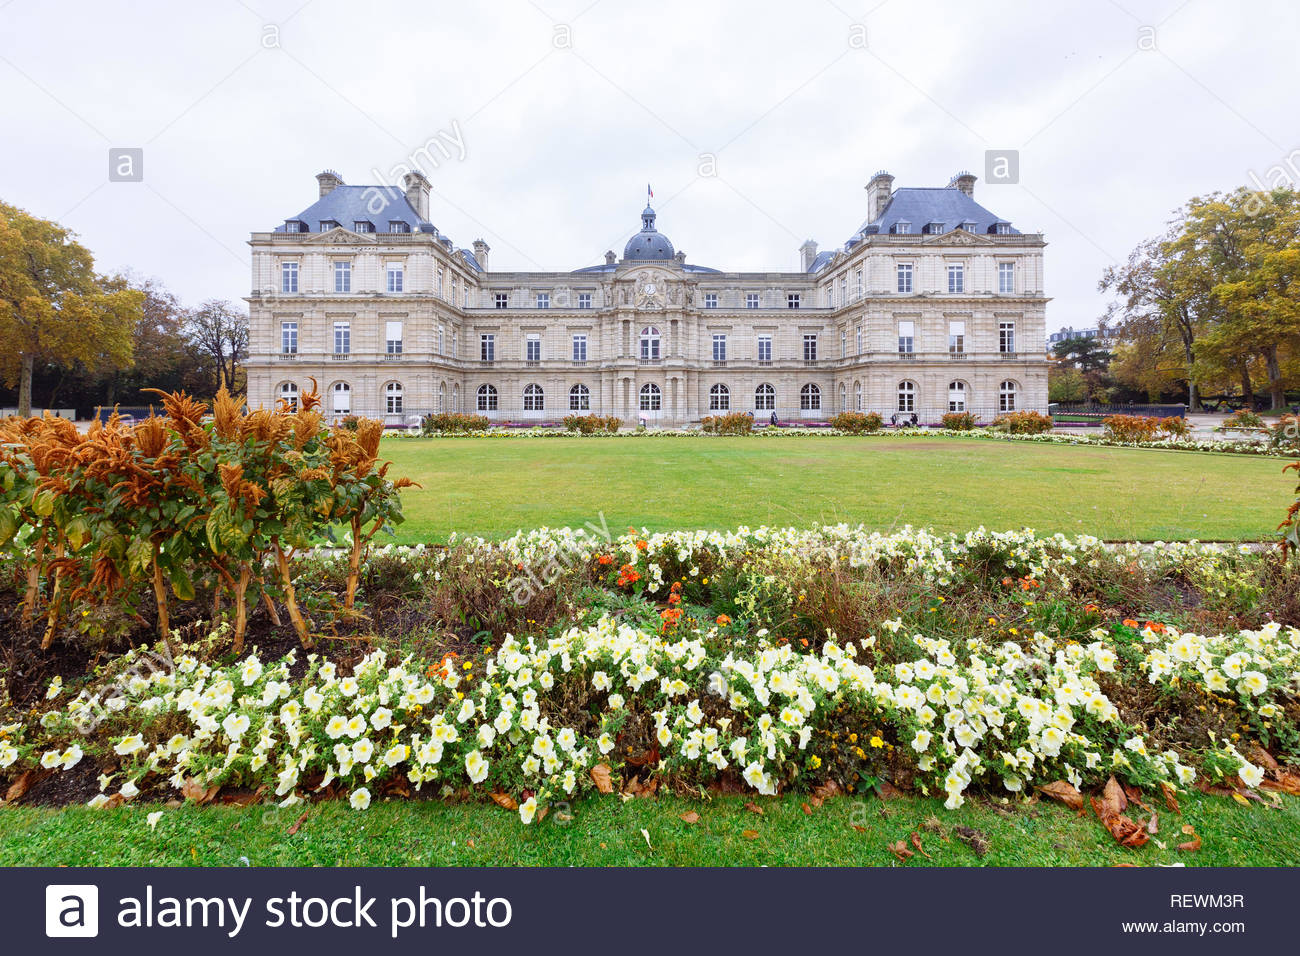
[958, 237]
[338, 236]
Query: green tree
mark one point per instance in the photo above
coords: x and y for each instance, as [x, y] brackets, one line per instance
[1065, 384]
[219, 332]
[54, 308]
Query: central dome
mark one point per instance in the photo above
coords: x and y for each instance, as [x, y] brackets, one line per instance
[649, 243]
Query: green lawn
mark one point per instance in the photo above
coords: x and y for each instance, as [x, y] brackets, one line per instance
[494, 487]
[607, 832]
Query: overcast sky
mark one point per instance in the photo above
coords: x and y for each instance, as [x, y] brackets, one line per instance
[1120, 110]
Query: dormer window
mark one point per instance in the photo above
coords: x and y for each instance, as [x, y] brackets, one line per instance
[968, 225]
[327, 224]
[901, 228]
[934, 228]
[295, 225]
[1001, 228]
[363, 225]
[396, 225]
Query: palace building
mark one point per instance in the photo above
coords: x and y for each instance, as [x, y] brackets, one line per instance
[933, 304]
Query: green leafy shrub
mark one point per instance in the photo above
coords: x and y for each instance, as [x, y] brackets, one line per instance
[958, 421]
[733, 423]
[1023, 423]
[592, 424]
[857, 423]
[450, 423]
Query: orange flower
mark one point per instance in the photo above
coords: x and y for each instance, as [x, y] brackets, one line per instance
[628, 575]
[1156, 626]
[605, 559]
[641, 544]
[1090, 608]
[1129, 622]
[723, 620]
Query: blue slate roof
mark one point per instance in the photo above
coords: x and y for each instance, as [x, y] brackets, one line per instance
[348, 204]
[920, 206]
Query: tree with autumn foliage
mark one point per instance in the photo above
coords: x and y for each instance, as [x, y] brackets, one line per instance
[54, 307]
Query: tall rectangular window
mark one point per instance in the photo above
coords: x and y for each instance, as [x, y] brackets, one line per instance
[719, 347]
[393, 337]
[765, 348]
[395, 277]
[906, 337]
[844, 290]
[710, 300]
[289, 338]
[860, 291]
[438, 286]
[956, 278]
[440, 352]
[533, 347]
[487, 347]
[580, 348]
[844, 344]
[792, 300]
[859, 340]
[502, 300]
[957, 336]
[904, 277]
[543, 300]
[1006, 278]
[810, 347]
[584, 300]
[342, 277]
[751, 300]
[342, 338]
[288, 277]
[1007, 338]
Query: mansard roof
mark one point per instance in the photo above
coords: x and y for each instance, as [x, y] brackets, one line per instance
[922, 205]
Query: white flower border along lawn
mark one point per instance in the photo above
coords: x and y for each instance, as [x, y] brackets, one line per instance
[1221, 446]
[1005, 718]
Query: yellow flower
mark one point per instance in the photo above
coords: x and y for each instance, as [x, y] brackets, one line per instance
[815, 762]
[877, 742]
[853, 738]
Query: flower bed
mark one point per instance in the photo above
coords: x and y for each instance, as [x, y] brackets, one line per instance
[771, 659]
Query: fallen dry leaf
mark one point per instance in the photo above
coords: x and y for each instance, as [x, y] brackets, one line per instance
[975, 839]
[806, 809]
[1153, 825]
[297, 824]
[1286, 782]
[691, 817]
[900, 850]
[858, 828]
[749, 834]
[1065, 792]
[21, 786]
[504, 800]
[1240, 799]
[1171, 796]
[753, 807]
[888, 791]
[191, 789]
[1194, 844]
[1113, 798]
[824, 792]
[1259, 755]
[600, 776]
[1126, 832]
[916, 842]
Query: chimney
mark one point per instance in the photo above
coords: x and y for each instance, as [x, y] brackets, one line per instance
[680, 257]
[965, 181]
[610, 258]
[481, 250]
[807, 253]
[417, 193]
[328, 180]
[879, 191]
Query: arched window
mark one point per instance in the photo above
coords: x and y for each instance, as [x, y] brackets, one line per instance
[1007, 396]
[810, 398]
[857, 396]
[957, 397]
[906, 397]
[288, 394]
[442, 396]
[487, 398]
[765, 398]
[649, 343]
[580, 399]
[843, 399]
[719, 398]
[651, 398]
[534, 400]
[342, 398]
[393, 398]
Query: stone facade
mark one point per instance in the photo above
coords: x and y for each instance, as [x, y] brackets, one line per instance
[393, 321]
